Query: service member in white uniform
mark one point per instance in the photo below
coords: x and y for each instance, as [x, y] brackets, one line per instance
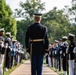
[71, 54]
[2, 50]
[64, 54]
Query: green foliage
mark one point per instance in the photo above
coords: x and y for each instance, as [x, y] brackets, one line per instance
[13, 68]
[71, 14]
[57, 24]
[57, 21]
[28, 8]
[6, 20]
[21, 30]
[58, 72]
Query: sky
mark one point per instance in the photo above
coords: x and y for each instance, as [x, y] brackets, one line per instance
[49, 4]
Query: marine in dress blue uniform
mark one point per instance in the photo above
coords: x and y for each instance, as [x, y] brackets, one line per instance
[36, 41]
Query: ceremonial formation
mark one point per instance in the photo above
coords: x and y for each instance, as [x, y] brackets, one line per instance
[11, 51]
[62, 55]
[59, 54]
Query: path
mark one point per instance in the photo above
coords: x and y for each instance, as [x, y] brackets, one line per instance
[25, 69]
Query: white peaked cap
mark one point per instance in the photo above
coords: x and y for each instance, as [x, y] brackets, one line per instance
[14, 40]
[8, 33]
[64, 37]
[70, 34]
[56, 41]
[2, 29]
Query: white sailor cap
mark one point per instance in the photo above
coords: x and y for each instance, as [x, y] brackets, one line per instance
[8, 33]
[64, 37]
[49, 44]
[56, 41]
[14, 40]
[72, 35]
[2, 30]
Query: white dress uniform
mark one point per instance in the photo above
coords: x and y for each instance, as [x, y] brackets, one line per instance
[75, 61]
[49, 58]
[1, 50]
[1, 60]
[64, 52]
[71, 54]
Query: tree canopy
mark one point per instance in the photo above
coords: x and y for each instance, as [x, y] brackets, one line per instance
[6, 20]
[28, 8]
[58, 22]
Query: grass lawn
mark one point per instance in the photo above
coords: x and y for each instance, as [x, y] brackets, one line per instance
[56, 70]
[13, 68]
[53, 68]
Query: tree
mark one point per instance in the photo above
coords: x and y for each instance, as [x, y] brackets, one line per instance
[71, 13]
[6, 19]
[29, 8]
[57, 23]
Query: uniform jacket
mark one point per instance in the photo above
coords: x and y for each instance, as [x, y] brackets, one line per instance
[2, 49]
[64, 49]
[37, 31]
[71, 48]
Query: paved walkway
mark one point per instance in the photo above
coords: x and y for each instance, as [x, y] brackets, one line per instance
[25, 69]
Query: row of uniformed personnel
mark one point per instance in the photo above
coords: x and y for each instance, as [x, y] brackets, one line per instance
[37, 42]
[10, 51]
[62, 55]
